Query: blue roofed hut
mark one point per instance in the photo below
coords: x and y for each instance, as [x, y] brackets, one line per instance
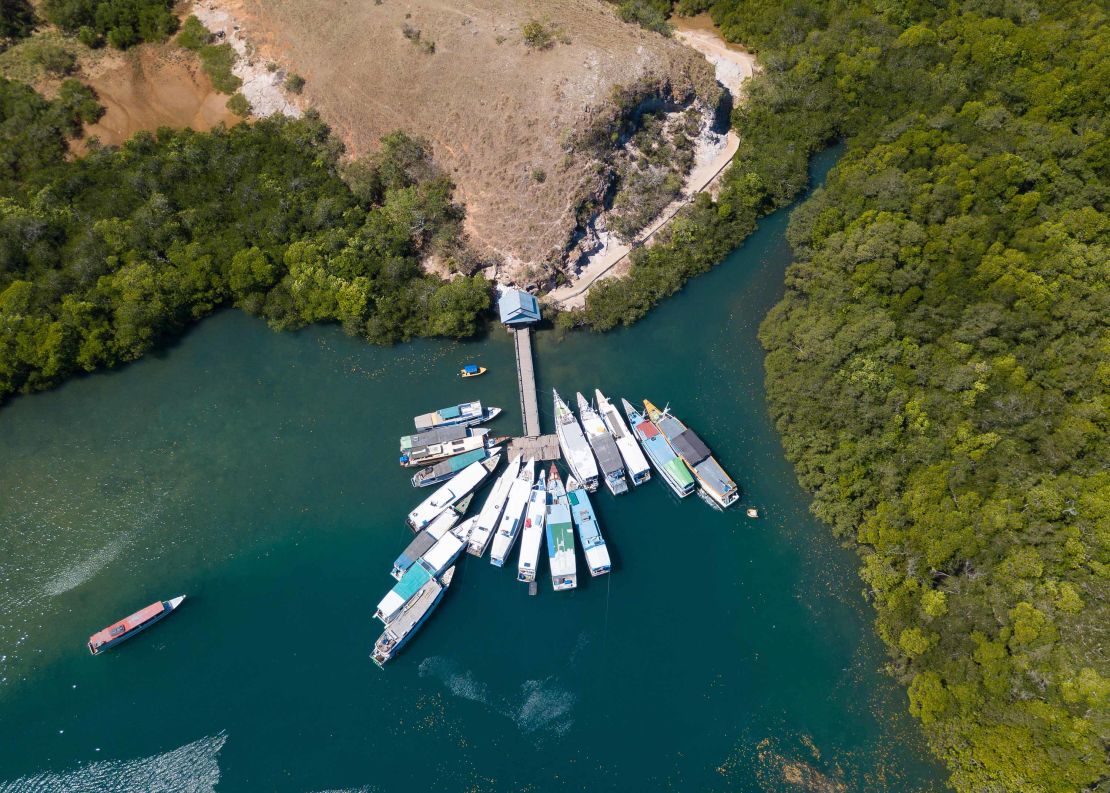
[518, 308]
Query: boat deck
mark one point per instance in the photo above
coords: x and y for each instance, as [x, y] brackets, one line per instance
[415, 610]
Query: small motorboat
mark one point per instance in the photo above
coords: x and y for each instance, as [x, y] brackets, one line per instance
[753, 512]
[472, 370]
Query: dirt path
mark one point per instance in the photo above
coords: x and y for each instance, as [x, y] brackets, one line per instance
[733, 65]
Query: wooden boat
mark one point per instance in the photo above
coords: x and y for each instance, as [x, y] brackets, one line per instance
[472, 370]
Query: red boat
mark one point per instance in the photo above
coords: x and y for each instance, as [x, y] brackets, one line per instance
[129, 626]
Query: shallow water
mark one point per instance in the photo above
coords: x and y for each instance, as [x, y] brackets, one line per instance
[255, 472]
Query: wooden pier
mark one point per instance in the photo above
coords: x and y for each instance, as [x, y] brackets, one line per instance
[542, 448]
[526, 380]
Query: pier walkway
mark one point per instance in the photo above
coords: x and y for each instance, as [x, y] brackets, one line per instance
[526, 380]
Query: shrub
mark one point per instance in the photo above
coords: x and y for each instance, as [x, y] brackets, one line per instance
[122, 22]
[538, 36]
[217, 60]
[193, 35]
[294, 83]
[239, 105]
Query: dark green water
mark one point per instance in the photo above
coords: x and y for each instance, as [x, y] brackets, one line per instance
[255, 471]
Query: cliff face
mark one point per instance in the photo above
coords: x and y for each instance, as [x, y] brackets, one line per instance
[506, 117]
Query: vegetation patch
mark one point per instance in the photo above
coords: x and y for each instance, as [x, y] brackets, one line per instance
[123, 23]
[17, 20]
[218, 60]
[938, 365]
[542, 35]
[131, 245]
[43, 55]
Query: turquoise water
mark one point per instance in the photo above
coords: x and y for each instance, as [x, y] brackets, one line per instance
[255, 472]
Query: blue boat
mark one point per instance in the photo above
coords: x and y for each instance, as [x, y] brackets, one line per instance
[673, 471]
[472, 370]
[589, 532]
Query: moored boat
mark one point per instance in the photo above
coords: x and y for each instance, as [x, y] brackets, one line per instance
[714, 482]
[442, 471]
[441, 435]
[492, 509]
[437, 452]
[129, 626]
[672, 470]
[423, 542]
[575, 447]
[532, 533]
[411, 616]
[560, 536]
[635, 463]
[452, 492]
[472, 370]
[464, 414]
[589, 531]
[605, 448]
[508, 528]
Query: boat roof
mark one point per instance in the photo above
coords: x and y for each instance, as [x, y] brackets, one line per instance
[470, 368]
[647, 429]
[670, 426]
[458, 462]
[608, 457]
[438, 435]
[679, 471]
[690, 447]
[584, 517]
[415, 549]
[443, 553]
[410, 583]
[597, 556]
[633, 456]
[530, 544]
[436, 417]
[560, 540]
[713, 476]
[415, 610]
[127, 623]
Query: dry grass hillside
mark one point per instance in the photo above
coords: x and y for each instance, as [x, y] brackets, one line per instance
[499, 112]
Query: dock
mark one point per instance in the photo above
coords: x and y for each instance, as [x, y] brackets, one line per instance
[542, 447]
[526, 380]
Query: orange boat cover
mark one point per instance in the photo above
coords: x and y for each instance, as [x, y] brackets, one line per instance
[128, 623]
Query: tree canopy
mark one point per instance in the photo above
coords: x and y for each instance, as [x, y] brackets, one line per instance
[103, 257]
[939, 366]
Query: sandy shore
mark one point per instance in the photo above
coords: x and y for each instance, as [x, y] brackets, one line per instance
[733, 65]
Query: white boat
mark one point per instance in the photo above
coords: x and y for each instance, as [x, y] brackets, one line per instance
[532, 535]
[560, 537]
[444, 553]
[464, 415]
[635, 463]
[423, 542]
[509, 526]
[585, 521]
[576, 449]
[398, 631]
[492, 509]
[605, 448]
[451, 493]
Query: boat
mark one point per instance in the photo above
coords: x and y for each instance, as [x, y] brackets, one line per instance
[589, 530]
[576, 449]
[401, 593]
[441, 435]
[414, 613]
[605, 448]
[715, 483]
[752, 512]
[673, 471]
[635, 464]
[438, 452]
[447, 549]
[423, 542]
[452, 492]
[442, 471]
[127, 627]
[509, 526]
[532, 534]
[492, 509]
[560, 536]
[464, 414]
[472, 370]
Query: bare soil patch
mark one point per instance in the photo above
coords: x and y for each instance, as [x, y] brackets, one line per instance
[500, 114]
[152, 86]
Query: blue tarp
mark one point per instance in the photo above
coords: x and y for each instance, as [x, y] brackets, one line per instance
[471, 368]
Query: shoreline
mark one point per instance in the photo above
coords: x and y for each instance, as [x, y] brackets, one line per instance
[733, 66]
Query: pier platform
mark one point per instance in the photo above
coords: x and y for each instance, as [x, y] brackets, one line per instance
[526, 380]
[541, 447]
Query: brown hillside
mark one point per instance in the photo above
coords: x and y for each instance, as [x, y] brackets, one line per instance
[500, 114]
